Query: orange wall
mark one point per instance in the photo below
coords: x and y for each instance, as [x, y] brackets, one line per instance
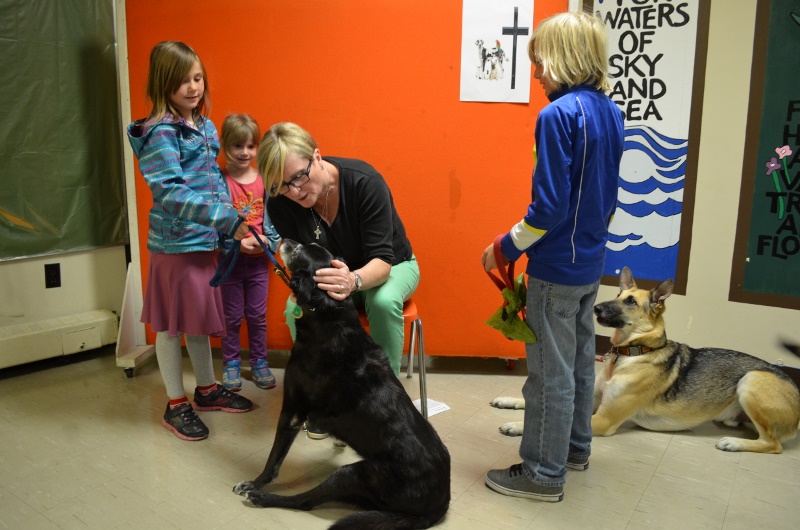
[376, 80]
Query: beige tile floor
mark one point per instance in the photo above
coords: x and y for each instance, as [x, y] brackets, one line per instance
[81, 446]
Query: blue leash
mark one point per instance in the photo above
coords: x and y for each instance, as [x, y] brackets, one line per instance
[232, 252]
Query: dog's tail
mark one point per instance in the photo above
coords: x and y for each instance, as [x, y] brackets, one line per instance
[375, 520]
[794, 348]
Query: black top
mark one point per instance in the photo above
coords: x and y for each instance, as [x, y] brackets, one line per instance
[366, 226]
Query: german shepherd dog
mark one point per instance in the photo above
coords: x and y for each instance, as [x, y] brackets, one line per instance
[663, 385]
[339, 377]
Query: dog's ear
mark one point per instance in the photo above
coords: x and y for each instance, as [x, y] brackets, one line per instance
[661, 293]
[303, 286]
[626, 280]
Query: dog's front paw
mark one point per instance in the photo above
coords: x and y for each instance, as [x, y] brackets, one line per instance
[508, 403]
[243, 487]
[729, 444]
[258, 498]
[512, 428]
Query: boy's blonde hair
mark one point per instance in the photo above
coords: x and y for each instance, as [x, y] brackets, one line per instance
[280, 140]
[170, 63]
[572, 49]
[238, 129]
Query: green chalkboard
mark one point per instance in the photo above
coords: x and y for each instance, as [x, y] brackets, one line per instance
[61, 177]
[767, 270]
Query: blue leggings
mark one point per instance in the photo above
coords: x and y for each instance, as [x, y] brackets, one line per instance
[384, 307]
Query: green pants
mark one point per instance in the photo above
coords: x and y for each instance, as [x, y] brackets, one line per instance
[384, 307]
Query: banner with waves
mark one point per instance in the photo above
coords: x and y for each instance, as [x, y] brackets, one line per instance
[651, 46]
[645, 229]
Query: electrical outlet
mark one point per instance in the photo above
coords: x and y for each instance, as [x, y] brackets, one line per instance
[52, 275]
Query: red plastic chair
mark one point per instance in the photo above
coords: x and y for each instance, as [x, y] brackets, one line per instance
[416, 343]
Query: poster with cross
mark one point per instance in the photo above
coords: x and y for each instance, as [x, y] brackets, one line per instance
[494, 50]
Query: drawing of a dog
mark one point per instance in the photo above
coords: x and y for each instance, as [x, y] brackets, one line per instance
[338, 376]
[663, 385]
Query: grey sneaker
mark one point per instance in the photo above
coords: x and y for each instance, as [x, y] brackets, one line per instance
[578, 463]
[513, 482]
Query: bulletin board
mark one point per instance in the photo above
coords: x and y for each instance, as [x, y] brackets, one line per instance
[377, 80]
[766, 257]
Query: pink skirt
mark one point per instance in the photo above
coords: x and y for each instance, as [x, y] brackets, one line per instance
[178, 298]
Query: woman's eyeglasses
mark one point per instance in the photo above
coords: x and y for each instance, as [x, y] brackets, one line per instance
[297, 182]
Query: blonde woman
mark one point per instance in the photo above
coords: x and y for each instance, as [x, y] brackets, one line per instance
[344, 205]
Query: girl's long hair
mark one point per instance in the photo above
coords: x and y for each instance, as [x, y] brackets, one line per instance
[170, 63]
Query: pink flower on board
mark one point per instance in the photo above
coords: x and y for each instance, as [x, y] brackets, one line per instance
[783, 152]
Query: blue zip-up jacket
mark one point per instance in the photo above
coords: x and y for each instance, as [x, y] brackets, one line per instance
[190, 199]
[579, 143]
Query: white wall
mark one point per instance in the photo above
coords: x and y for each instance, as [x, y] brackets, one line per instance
[705, 317]
[89, 280]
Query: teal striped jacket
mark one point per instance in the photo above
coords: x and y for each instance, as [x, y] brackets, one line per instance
[190, 199]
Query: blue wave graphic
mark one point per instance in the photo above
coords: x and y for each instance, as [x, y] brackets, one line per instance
[614, 238]
[646, 262]
[646, 227]
[649, 185]
[665, 209]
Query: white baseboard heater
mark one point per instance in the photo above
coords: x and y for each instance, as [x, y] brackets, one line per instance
[54, 337]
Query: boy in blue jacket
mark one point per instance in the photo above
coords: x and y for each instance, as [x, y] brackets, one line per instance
[579, 143]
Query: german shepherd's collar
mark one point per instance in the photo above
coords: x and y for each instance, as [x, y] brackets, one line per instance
[630, 351]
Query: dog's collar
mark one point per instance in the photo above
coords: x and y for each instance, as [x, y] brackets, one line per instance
[297, 312]
[630, 351]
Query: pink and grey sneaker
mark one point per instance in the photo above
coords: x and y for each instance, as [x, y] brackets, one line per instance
[221, 399]
[184, 423]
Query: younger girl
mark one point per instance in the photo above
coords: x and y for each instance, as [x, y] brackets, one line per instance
[177, 149]
[244, 292]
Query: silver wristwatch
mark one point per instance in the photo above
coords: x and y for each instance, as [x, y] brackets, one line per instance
[358, 281]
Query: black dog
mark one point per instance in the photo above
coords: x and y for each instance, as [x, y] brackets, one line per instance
[342, 379]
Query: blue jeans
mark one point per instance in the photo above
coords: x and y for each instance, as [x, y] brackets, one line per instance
[559, 390]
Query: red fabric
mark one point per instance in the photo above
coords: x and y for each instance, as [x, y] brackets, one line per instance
[177, 402]
[206, 390]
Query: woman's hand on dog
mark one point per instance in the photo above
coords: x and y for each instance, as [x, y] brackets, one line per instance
[337, 280]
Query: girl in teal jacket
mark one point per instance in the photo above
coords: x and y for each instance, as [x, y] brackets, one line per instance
[177, 149]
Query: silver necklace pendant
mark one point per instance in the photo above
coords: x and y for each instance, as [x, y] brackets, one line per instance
[317, 231]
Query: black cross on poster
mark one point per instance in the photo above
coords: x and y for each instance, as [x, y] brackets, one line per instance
[514, 30]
